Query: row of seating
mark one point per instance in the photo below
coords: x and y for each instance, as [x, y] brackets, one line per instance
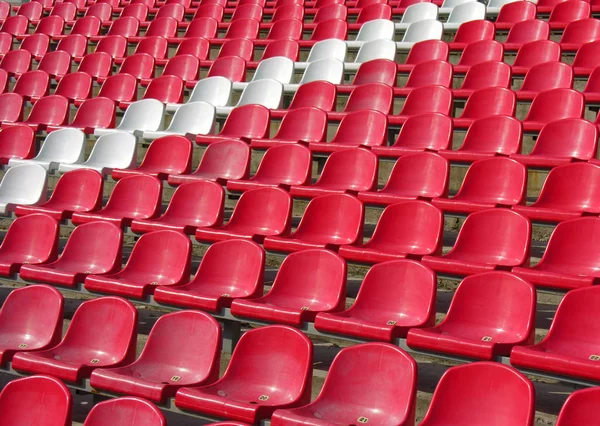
[195, 338]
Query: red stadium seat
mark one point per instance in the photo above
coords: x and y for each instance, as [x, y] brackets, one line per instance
[92, 114]
[76, 191]
[202, 27]
[317, 94]
[282, 166]
[183, 66]
[376, 71]
[16, 142]
[579, 32]
[32, 84]
[258, 213]
[247, 11]
[546, 6]
[31, 10]
[350, 170]
[587, 58]
[485, 103]
[289, 29]
[66, 11]
[213, 11]
[408, 181]
[56, 64]
[11, 108]
[126, 26]
[36, 44]
[488, 240]
[15, 25]
[482, 393]
[96, 65]
[561, 142]
[244, 122]
[472, 31]
[364, 127]
[394, 297]
[592, 88]
[222, 160]
[382, 390]
[183, 349]
[220, 278]
[158, 258]
[514, 12]
[30, 319]
[425, 51]
[135, 10]
[484, 75]
[570, 347]
[102, 333]
[231, 67]
[114, 45]
[307, 282]
[102, 11]
[193, 205]
[569, 192]
[139, 65]
[329, 221]
[282, 47]
[241, 28]
[375, 96]
[133, 197]
[534, 53]
[410, 229]
[263, 375]
[48, 111]
[424, 100]
[331, 28]
[488, 137]
[553, 105]
[566, 12]
[168, 155]
[579, 408]
[92, 248]
[157, 46]
[545, 76]
[479, 325]
[307, 125]
[36, 400]
[525, 32]
[88, 26]
[477, 53]
[75, 86]
[571, 258]
[16, 62]
[129, 410]
[428, 73]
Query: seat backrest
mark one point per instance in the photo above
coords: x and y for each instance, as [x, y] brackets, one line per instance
[136, 10]
[331, 11]
[530, 30]
[95, 113]
[289, 164]
[139, 65]
[426, 131]
[114, 45]
[427, 99]
[49, 110]
[329, 69]
[98, 64]
[127, 410]
[475, 30]
[36, 400]
[307, 124]
[248, 121]
[331, 28]
[570, 137]
[141, 193]
[353, 169]
[231, 67]
[11, 107]
[572, 187]
[424, 174]
[428, 50]
[374, 96]
[317, 94]
[102, 11]
[330, 48]
[570, 11]
[488, 74]
[203, 27]
[482, 51]
[241, 47]
[516, 11]
[183, 66]
[75, 85]
[166, 88]
[286, 29]
[16, 61]
[243, 28]
[467, 12]
[197, 118]
[127, 26]
[494, 134]
[279, 69]
[87, 26]
[213, 90]
[24, 184]
[146, 114]
[119, 87]
[362, 127]
[376, 49]
[419, 11]
[582, 31]
[17, 142]
[373, 12]
[430, 72]
[286, 47]
[32, 83]
[227, 159]
[266, 92]
[376, 71]
[587, 55]
[266, 208]
[427, 29]
[36, 44]
[199, 202]
[170, 154]
[114, 150]
[579, 408]
[537, 52]
[487, 392]
[63, 146]
[538, 78]
[376, 29]
[156, 47]
[555, 104]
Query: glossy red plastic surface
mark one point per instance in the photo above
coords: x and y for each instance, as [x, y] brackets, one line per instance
[244, 122]
[553, 105]
[492, 101]
[425, 51]
[477, 53]
[307, 124]
[130, 411]
[424, 100]
[580, 408]
[16, 142]
[579, 32]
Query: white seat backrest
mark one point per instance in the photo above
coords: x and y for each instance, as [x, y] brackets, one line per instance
[113, 150]
[24, 184]
[419, 11]
[214, 90]
[500, 3]
[467, 12]
[63, 146]
[278, 68]
[330, 70]
[330, 48]
[146, 114]
[376, 49]
[197, 118]
[429, 29]
[377, 29]
[449, 4]
[265, 92]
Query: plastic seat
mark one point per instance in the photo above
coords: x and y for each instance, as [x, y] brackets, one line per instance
[183, 66]
[342, 398]
[566, 12]
[317, 94]
[569, 349]
[329, 69]
[514, 12]
[15, 25]
[36, 44]
[166, 89]
[247, 11]
[247, 378]
[203, 27]
[375, 71]
[244, 122]
[16, 62]
[139, 65]
[350, 170]
[219, 278]
[193, 340]
[193, 205]
[231, 67]
[579, 408]
[553, 105]
[24, 184]
[171, 10]
[88, 26]
[98, 64]
[133, 197]
[526, 32]
[192, 118]
[488, 137]
[331, 28]
[158, 258]
[466, 12]
[361, 127]
[136, 10]
[374, 12]
[143, 115]
[580, 32]
[156, 47]
[31, 10]
[586, 58]
[282, 47]
[546, 6]
[213, 90]
[417, 12]
[323, 277]
[56, 64]
[75, 86]
[484, 75]
[425, 51]
[265, 92]
[114, 45]
[427, 29]
[537, 79]
[281, 166]
[206, 10]
[126, 26]
[394, 297]
[487, 392]
[49, 111]
[92, 114]
[534, 53]
[306, 124]
[503, 244]
[222, 160]
[561, 142]
[423, 100]
[16, 143]
[425, 74]
[592, 88]
[477, 53]
[32, 84]
[258, 213]
[129, 410]
[36, 400]
[243, 28]
[471, 32]
[31, 319]
[67, 11]
[112, 151]
[422, 132]
[102, 11]
[329, 12]
[477, 326]
[11, 108]
[81, 350]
